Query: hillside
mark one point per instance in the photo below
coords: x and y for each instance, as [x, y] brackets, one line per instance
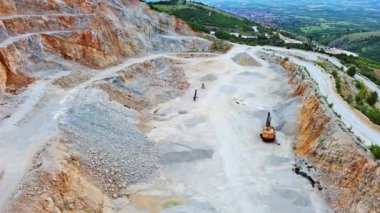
[225, 25]
[323, 21]
[366, 44]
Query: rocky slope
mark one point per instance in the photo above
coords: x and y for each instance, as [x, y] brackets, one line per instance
[349, 173]
[93, 33]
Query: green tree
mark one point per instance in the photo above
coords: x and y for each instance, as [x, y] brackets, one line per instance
[372, 99]
[350, 98]
[338, 85]
[360, 85]
[375, 149]
[351, 71]
[223, 35]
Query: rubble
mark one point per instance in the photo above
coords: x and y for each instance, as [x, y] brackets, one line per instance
[108, 143]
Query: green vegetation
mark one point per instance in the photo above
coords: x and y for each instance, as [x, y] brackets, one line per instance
[350, 99]
[322, 64]
[226, 26]
[372, 98]
[338, 85]
[206, 19]
[351, 71]
[366, 44]
[360, 97]
[375, 150]
[364, 66]
[325, 31]
[338, 27]
[354, 37]
[365, 101]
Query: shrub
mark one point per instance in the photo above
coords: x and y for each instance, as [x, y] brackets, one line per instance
[372, 99]
[373, 114]
[338, 86]
[361, 96]
[224, 35]
[350, 98]
[351, 71]
[358, 100]
[197, 27]
[375, 150]
[359, 85]
[322, 64]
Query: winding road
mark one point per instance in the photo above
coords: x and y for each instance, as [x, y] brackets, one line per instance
[361, 126]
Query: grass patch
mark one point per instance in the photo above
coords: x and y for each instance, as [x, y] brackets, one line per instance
[322, 64]
[375, 150]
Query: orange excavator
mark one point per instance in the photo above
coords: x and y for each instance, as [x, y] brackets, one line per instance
[269, 133]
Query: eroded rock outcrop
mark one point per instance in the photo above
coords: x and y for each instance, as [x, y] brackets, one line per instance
[313, 122]
[11, 76]
[66, 190]
[349, 174]
[146, 84]
[95, 33]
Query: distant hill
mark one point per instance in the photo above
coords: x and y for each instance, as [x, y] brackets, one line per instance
[177, 2]
[366, 44]
[225, 25]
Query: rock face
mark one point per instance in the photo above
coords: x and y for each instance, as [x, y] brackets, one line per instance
[11, 76]
[63, 191]
[313, 122]
[146, 84]
[95, 33]
[349, 174]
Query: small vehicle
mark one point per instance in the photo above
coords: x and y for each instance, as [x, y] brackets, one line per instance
[269, 133]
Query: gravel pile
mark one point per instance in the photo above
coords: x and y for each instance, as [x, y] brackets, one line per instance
[245, 59]
[108, 143]
[153, 81]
